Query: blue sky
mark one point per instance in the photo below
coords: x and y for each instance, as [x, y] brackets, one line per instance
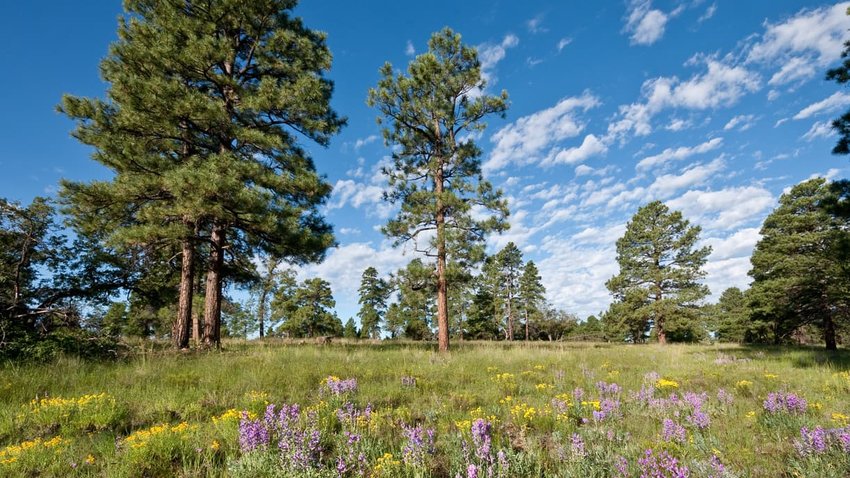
[714, 107]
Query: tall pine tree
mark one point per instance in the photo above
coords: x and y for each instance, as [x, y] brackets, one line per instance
[531, 295]
[436, 172]
[801, 272]
[374, 293]
[660, 270]
[207, 101]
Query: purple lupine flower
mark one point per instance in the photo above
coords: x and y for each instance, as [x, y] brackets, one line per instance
[695, 400]
[780, 402]
[502, 459]
[662, 465]
[644, 395]
[672, 431]
[724, 397]
[481, 439]
[718, 470]
[577, 446]
[252, 434]
[578, 394]
[608, 389]
[417, 445]
[336, 386]
[471, 471]
[622, 466]
[699, 419]
[844, 439]
[811, 442]
[651, 377]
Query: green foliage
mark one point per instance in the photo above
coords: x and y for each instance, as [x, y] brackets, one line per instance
[201, 128]
[350, 331]
[841, 75]
[412, 315]
[436, 173]
[531, 298]
[374, 293]
[800, 266]
[308, 310]
[658, 283]
[730, 317]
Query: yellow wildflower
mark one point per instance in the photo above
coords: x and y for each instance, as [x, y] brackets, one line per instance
[90, 459]
[664, 383]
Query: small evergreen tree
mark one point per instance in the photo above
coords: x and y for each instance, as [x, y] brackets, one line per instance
[350, 329]
[531, 295]
[374, 293]
[660, 269]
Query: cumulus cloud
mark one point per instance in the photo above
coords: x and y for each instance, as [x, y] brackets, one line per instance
[721, 85]
[644, 24]
[490, 54]
[725, 209]
[802, 44]
[709, 12]
[350, 192]
[676, 154]
[590, 146]
[742, 122]
[835, 101]
[364, 141]
[530, 138]
[821, 129]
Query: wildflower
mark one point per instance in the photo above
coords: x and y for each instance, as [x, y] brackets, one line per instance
[724, 397]
[419, 443]
[336, 386]
[778, 402]
[481, 439]
[672, 431]
[811, 442]
[840, 418]
[661, 466]
[663, 383]
[608, 389]
[215, 445]
[89, 459]
[743, 385]
[577, 446]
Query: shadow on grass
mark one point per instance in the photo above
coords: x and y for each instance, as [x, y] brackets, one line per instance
[800, 356]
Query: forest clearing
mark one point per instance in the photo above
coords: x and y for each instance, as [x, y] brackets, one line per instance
[403, 410]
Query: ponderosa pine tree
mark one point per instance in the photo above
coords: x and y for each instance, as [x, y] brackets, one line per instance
[660, 269]
[800, 266]
[312, 311]
[532, 294]
[374, 293]
[730, 316]
[841, 75]
[509, 261]
[436, 174]
[207, 101]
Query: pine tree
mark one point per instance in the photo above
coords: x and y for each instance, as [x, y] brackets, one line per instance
[660, 269]
[264, 289]
[311, 314]
[800, 268]
[531, 294]
[509, 261]
[730, 316]
[841, 75]
[374, 293]
[350, 329]
[205, 107]
[436, 172]
[414, 311]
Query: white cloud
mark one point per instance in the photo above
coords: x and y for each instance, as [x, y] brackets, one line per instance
[530, 138]
[721, 85]
[709, 12]
[563, 42]
[664, 186]
[742, 122]
[821, 129]
[725, 208]
[738, 244]
[490, 54]
[349, 230]
[683, 152]
[347, 191]
[534, 25]
[835, 101]
[678, 124]
[590, 146]
[585, 170]
[803, 44]
[644, 24]
[364, 141]
[409, 50]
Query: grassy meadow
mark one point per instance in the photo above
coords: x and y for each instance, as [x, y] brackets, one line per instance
[485, 409]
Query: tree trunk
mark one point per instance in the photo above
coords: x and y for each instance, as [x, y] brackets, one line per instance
[261, 310]
[180, 332]
[659, 321]
[212, 300]
[442, 285]
[829, 333]
[196, 314]
[510, 317]
[526, 324]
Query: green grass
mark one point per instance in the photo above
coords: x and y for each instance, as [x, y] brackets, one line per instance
[451, 391]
